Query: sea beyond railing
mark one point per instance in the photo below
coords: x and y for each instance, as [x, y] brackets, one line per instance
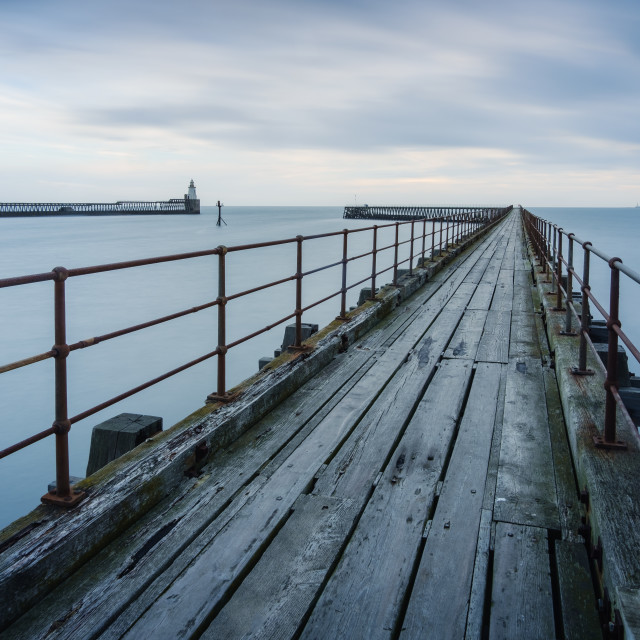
[424, 244]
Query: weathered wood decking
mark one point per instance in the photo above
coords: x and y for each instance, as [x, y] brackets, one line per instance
[420, 486]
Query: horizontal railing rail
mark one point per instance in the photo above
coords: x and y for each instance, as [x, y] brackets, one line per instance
[447, 232]
[548, 243]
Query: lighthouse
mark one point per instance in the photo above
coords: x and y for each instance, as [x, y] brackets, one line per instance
[192, 191]
[191, 202]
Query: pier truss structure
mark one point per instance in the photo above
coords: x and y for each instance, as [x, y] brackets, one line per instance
[367, 212]
[122, 207]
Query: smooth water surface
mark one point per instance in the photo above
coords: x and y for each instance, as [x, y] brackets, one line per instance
[106, 302]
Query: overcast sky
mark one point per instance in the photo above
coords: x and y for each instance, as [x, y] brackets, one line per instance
[306, 102]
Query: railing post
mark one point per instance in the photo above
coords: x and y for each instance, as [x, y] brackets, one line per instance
[611, 382]
[411, 249]
[584, 313]
[298, 341]
[424, 239]
[545, 247]
[62, 495]
[395, 259]
[373, 262]
[440, 248]
[222, 327]
[559, 272]
[568, 318]
[538, 231]
[343, 297]
[433, 240]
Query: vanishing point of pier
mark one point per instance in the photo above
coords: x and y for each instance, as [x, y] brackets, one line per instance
[434, 478]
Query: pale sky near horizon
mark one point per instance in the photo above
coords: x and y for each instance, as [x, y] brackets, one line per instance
[321, 102]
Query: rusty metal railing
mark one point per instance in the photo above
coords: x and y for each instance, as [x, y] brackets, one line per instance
[548, 244]
[450, 231]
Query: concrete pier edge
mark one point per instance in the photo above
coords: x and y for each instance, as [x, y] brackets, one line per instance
[609, 480]
[47, 545]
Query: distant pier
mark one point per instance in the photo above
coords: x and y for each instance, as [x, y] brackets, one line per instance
[190, 204]
[366, 212]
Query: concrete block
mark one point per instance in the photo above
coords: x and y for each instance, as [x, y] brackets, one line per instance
[634, 381]
[117, 436]
[290, 333]
[598, 331]
[624, 379]
[263, 362]
[631, 398]
[277, 352]
[365, 294]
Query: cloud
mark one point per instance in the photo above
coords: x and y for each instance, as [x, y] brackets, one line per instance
[556, 83]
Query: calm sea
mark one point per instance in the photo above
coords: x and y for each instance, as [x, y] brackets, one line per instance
[106, 302]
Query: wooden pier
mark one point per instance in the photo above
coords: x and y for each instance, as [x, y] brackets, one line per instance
[394, 213]
[419, 486]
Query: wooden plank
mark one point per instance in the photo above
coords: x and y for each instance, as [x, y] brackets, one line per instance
[494, 457]
[503, 296]
[396, 350]
[494, 344]
[367, 589]
[628, 602]
[524, 336]
[201, 501]
[463, 294]
[451, 292]
[274, 598]
[569, 507]
[493, 270]
[475, 275]
[352, 471]
[403, 338]
[475, 617]
[522, 292]
[453, 537]
[187, 602]
[522, 604]
[168, 535]
[510, 253]
[578, 601]
[464, 343]
[483, 295]
[526, 488]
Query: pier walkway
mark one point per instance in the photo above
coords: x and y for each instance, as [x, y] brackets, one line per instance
[419, 486]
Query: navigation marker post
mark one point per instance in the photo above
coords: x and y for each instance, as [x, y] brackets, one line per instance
[220, 220]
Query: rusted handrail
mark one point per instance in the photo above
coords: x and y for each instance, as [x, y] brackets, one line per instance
[547, 241]
[457, 226]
